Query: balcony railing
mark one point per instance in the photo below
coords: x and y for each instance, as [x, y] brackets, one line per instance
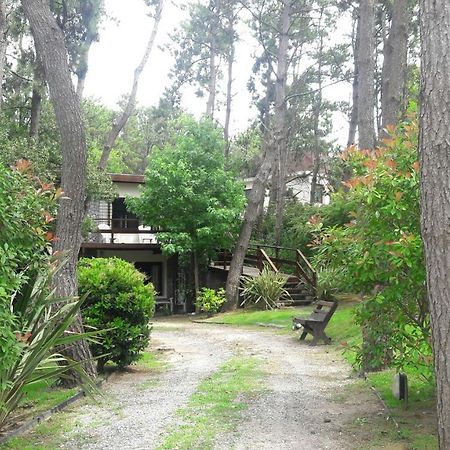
[124, 231]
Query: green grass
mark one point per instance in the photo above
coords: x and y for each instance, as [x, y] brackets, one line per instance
[216, 406]
[281, 317]
[151, 361]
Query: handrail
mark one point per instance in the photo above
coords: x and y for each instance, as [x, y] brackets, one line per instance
[305, 260]
[268, 260]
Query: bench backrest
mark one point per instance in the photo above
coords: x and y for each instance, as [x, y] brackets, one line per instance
[323, 311]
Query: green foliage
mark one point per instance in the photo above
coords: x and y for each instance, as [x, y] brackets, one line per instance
[189, 194]
[264, 291]
[209, 301]
[379, 253]
[40, 327]
[27, 206]
[118, 300]
[297, 231]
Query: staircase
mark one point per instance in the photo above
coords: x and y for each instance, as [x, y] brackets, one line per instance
[299, 292]
[302, 278]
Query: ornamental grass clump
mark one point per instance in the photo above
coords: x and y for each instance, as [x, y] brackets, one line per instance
[40, 324]
[120, 301]
[265, 291]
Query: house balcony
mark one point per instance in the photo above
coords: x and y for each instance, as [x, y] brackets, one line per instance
[123, 231]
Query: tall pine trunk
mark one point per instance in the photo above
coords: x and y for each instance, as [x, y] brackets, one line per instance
[394, 76]
[317, 110]
[259, 185]
[435, 191]
[366, 74]
[280, 118]
[49, 42]
[229, 96]
[353, 126]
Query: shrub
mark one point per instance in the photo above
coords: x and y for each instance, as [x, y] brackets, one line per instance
[379, 253]
[26, 214]
[209, 301]
[39, 328]
[264, 291]
[118, 300]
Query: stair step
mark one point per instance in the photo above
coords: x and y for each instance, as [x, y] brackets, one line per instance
[299, 296]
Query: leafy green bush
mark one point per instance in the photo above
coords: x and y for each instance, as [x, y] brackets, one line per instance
[118, 300]
[379, 252]
[209, 301]
[27, 207]
[264, 291]
[39, 328]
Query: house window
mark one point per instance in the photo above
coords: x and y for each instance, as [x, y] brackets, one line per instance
[122, 217]
[320, 191]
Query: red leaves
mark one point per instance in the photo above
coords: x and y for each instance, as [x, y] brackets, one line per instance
[24, 338]
[49, 236]
[22, 166]
[416, 166]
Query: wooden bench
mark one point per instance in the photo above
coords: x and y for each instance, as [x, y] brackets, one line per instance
[315, 324]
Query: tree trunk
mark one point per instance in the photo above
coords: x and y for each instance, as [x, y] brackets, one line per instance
[212, 78]
[366, 74]
[196, 278]
[49, 42]
[250, 217]
[229, 97]
[354, 112]
[35, 116]
[317, 110]
[36, 101]
[259, 185]
[280, 125]
[435, 191]
[394, 75]
[3, 44]
[120, 123]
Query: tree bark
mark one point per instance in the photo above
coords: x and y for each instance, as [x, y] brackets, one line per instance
[120, 123]
[210, 105]
[49, 42]
[394, 75]
[366, 74]
[317, 110]
[280, 118]
[259, 185]
[435, 191]
[353, 126]
[3, 44]
[250, 217]
[229, 97]
[36, 101]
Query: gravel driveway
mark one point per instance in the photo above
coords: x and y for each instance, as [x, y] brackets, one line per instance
[305, 403]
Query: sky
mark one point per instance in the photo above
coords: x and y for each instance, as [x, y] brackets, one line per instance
[123, 37]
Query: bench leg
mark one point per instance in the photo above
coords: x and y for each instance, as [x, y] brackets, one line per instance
[303, 335]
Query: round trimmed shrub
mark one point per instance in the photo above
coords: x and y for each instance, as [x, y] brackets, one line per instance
[118, 300]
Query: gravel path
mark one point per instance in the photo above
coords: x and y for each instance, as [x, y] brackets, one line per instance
[296, 410]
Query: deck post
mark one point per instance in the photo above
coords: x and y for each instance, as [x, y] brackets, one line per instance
[260, 258]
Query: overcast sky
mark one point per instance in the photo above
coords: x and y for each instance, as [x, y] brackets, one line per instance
[122, 41]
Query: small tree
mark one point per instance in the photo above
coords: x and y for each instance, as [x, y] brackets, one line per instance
[189, 194]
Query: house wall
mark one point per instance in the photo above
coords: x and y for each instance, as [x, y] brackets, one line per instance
[128, 189]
